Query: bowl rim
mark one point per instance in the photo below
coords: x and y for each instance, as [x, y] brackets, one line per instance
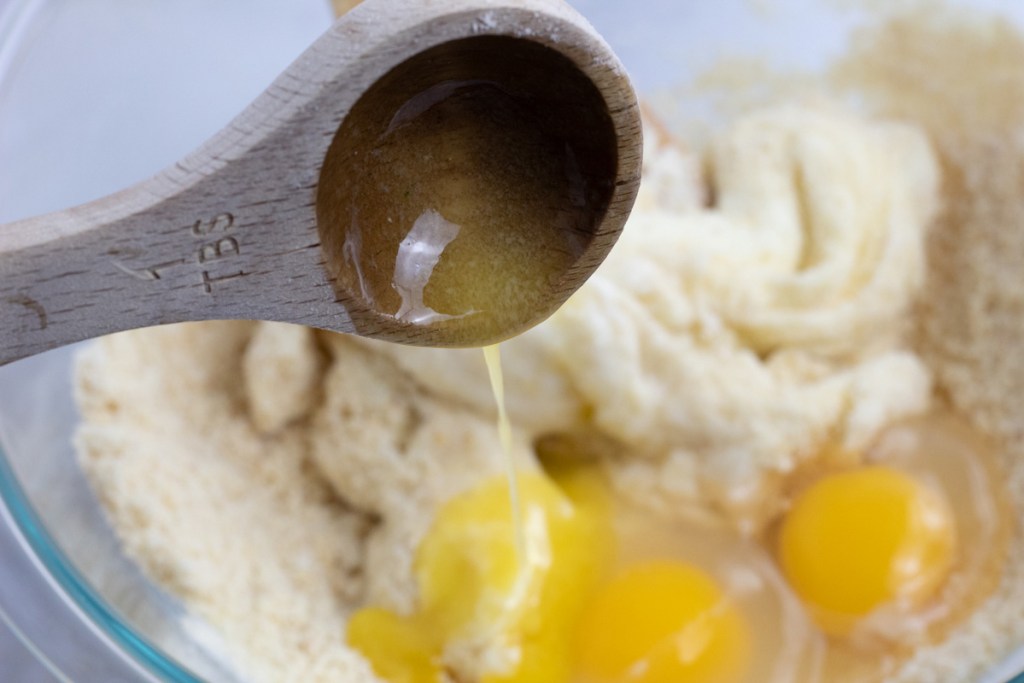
[48, 584]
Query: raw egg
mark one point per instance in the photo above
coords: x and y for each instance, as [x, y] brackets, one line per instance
[889, 554]
[860, 539]
[662, 621]
[689, 603]
[679, 602]
[489, 608]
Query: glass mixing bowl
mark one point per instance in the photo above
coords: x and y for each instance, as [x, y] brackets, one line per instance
[97, 94]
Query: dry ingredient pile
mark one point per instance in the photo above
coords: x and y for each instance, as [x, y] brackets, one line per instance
[826, 267]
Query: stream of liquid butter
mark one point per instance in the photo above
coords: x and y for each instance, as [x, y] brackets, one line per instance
[492, 356]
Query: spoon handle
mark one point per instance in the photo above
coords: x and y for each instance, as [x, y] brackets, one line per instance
[103, 267]
[167, 250]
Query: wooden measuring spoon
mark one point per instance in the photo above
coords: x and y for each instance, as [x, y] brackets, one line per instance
[440, 173]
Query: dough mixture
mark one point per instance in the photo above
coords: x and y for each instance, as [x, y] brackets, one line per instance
[814, 275]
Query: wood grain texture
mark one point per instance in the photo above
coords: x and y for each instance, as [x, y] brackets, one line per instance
[230, 231]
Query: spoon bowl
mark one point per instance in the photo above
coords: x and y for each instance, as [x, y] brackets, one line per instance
[466, 190]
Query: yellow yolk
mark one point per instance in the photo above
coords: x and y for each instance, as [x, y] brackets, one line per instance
[857, 540]
[661, 622]
[484, 610]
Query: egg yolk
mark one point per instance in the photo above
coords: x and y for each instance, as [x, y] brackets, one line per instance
[860, 539]
[661, 622]
[488, 609]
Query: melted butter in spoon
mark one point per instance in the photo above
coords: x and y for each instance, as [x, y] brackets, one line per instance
[463, 192]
